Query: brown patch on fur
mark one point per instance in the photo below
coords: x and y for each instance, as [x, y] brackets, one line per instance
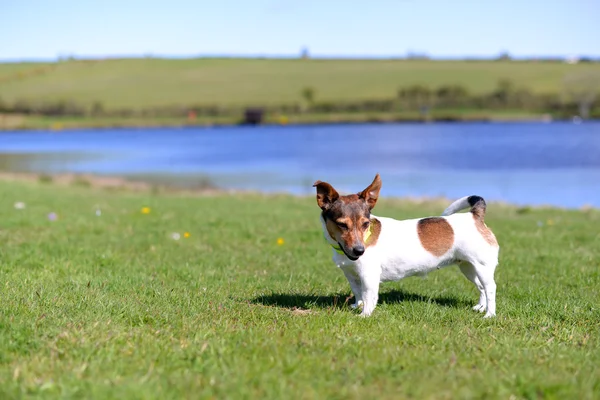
[436, 235]
[375, 231]
[333, 230]
[487, 234]
[349, 199]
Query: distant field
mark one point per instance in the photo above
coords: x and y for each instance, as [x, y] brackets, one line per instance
[139, 83]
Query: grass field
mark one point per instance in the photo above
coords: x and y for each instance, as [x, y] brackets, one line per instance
[111, 306]
[143, 83]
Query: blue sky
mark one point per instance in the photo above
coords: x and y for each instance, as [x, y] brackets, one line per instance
[44, 29]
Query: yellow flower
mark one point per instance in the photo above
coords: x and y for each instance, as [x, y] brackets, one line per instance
[145, 210]
[550, 222]
[186, 235]
[280, 241]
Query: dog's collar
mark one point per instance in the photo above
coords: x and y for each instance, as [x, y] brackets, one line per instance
[338, 248]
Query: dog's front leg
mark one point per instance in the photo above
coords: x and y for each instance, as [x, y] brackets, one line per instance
[370, 290]
[355, 285]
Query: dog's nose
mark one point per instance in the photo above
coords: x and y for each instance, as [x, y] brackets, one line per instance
[358, 250]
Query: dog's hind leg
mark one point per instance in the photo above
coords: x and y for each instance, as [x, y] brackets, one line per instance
[468, 270]
[485, 273]
[355, 285]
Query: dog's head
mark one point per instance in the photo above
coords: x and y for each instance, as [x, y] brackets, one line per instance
[347, 218]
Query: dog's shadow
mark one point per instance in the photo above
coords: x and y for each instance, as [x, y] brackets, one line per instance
[343, 300]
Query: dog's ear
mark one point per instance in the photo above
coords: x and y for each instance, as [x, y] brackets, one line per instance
[371, 193]
[326, 194]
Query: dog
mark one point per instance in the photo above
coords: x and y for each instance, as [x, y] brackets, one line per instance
[370, 249]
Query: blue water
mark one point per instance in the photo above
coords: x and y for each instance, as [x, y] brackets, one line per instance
[523, 163]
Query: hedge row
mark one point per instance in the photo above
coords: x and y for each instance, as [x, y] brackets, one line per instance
[414, 98]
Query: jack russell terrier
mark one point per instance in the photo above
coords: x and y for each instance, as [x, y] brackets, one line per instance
[371, 249]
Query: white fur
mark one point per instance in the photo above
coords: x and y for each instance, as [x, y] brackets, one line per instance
[399, 253]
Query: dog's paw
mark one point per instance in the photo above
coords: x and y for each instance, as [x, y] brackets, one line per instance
[489, 315]
[479, 307]
[366, 312]
[359, 304]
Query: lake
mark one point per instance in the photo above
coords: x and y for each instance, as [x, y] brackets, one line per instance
[523, 163]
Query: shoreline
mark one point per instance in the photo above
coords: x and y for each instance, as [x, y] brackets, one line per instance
[11, 122]
[124, 184]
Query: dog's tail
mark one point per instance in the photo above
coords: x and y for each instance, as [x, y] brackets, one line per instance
[476, 203]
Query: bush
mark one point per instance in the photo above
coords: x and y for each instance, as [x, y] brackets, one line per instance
[421, 98]
[415, 96]
[22, 106]
[59, 108]
[97, 109]
[308, 94]
[452, 96]
[325, 107]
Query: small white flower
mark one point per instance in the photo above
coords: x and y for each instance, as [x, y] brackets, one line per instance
[98, 213]
[19, 205]
[175, 236]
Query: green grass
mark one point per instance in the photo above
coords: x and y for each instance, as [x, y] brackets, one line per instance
[111, 306]
[143, 83]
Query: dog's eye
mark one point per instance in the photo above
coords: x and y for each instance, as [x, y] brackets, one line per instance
[342, 225]
[366, 225]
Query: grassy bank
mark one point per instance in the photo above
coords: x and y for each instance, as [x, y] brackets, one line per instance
[112, 306]
[25, 122]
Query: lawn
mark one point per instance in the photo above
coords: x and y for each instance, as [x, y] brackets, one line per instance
[145, 83]
[112, 306]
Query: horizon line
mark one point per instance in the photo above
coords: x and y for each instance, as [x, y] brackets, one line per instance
[410, 56]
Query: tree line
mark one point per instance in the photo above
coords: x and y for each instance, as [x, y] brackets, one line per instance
[578, 98]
